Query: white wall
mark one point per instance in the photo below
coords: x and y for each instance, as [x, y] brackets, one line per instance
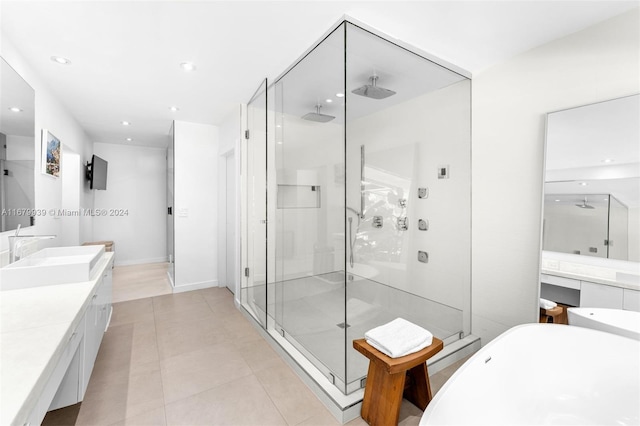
[136, 194]
[50, 114]
[510, 101]
[195, 206]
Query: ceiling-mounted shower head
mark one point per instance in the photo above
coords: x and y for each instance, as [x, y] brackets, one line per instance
[372, 90]
[317, 116]
[584, 204]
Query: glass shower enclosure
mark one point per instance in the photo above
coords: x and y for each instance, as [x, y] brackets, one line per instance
[358, 200]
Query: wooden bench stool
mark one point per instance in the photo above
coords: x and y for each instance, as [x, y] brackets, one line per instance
[389, 379]
[553, 313]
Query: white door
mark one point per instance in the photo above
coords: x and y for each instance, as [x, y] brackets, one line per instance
[231, 193]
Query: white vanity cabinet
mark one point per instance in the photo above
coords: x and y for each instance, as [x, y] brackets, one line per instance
[594, 295]
[588, 294]
[91, 330]
[631, 300]
[65, 374]
[98, 316]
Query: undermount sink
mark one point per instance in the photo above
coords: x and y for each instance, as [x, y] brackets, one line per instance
[50, 266]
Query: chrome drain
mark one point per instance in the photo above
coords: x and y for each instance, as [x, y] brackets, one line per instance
[343, 325]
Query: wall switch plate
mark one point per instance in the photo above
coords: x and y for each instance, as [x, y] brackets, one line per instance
[423, 192]
[443, 172]
[183, 212]
[423, 257]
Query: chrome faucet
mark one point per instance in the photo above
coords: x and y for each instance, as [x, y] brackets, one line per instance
[17, 241]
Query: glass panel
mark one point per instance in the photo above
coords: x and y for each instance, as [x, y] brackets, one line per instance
[408, 191]
[618, 242]
[309, 221]
[578, 223]
[254, 291]
[170, 217]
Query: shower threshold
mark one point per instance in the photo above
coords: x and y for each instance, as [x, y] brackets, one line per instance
[347, 407]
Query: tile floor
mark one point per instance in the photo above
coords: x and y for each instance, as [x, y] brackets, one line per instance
[193, 359]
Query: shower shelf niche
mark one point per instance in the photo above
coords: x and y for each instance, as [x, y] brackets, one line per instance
[299, 196]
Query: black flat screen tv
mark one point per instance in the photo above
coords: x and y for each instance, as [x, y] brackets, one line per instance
[97, 173]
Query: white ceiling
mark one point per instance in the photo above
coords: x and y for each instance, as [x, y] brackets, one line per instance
[126, 54]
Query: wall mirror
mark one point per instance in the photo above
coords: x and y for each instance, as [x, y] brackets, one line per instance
[17, 149]
[592, 180]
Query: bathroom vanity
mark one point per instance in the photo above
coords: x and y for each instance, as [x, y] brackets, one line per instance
[589, 282]
[49, 339]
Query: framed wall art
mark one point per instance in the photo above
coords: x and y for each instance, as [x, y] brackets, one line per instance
[51, 148]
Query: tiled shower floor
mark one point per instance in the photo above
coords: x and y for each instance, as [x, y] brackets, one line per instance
[312, 312]
[193, 359]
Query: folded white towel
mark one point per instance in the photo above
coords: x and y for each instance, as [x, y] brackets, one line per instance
[547, 304]
[410, 351]
[399, 338]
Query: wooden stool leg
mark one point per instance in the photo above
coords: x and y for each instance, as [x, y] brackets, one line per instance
[419, 390]
[382, 396]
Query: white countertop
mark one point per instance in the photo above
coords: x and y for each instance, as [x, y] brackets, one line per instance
[611, 272]
[591, 279]
[35, 326]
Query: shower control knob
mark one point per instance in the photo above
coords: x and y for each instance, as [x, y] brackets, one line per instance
[377, 222]
[402, 202]
[403, 223]
[423, 225]
[423, 192]
[423, 257]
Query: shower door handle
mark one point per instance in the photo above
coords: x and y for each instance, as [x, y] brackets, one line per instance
[361, 181]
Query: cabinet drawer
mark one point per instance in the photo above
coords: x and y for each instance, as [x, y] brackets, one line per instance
[52, 386]
[631, 300]
[560, 281]
[600, 296]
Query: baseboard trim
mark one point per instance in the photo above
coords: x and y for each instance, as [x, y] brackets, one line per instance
[195, 286]
[140, 261]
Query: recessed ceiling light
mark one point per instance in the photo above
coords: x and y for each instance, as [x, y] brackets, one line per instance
[278, 125]
[557, 200]
[340, 95]
[329, 100]
[15, 109]
[583, 183]
[188, 66]
[608, 160]
[174, 108]
[61, 60]
[125, 123]
[279, 142]
[129, 139]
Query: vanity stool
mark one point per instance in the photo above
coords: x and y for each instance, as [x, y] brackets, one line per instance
[389, 379]
[553, 313]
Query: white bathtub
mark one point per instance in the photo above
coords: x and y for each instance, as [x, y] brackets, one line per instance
[617, 321]
[544, 374]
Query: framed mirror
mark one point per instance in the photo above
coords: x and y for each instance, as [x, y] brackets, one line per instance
[592, 180]
[17, 150]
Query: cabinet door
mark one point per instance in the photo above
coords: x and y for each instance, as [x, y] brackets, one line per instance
[631, 300]
[92, 337]
[594, 295]
[105, 297]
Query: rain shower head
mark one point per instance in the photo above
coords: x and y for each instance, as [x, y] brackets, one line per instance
[584, 204]
[317, 116]
[372, 90]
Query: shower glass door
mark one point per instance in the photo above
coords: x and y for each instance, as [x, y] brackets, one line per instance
[309, 215]
[254, 289]
[408, 221]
